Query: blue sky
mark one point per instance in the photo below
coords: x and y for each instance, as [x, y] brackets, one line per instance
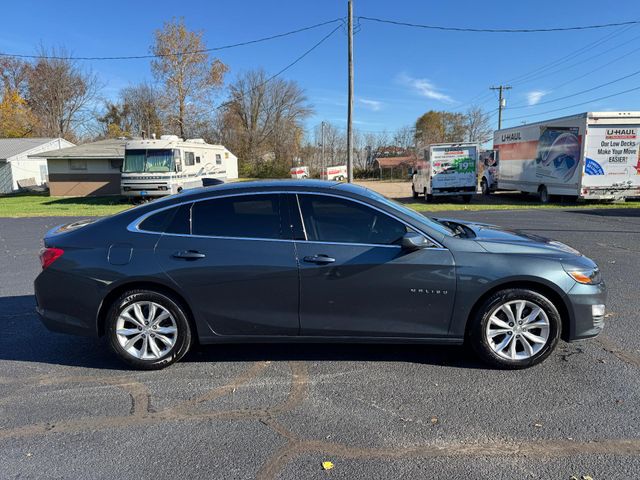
[400, 72]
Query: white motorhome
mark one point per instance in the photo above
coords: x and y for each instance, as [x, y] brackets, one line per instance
[592, 155]
[157, 167]
[336, 173]
[448, 169]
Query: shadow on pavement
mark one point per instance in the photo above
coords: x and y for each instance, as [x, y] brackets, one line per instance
[25, 339]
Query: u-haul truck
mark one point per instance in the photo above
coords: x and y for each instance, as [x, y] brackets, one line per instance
[336, 173]
[157, 167]
[448, 169]
[593, 155]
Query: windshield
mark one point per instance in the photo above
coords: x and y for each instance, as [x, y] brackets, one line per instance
[152, 161]
[429, 222]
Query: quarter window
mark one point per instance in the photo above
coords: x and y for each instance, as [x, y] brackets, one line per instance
[247, 216]
[171, 220]
[331, 219]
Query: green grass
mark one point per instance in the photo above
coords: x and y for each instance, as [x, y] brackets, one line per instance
[42, 205]
[516, 205]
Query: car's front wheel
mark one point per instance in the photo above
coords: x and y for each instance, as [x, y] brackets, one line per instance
[148, 330]
[515, 328]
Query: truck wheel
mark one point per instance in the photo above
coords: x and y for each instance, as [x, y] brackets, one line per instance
[427, 196]
[485, 187]
[414, 194]
[466, 198]
[543, 194]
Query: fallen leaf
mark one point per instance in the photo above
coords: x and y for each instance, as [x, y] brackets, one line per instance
[573, 477]
[29, 454]
[537, 425]
[587, 477]
[434, 420]
[327, 465]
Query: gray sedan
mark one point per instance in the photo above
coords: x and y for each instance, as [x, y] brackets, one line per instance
[311, 261]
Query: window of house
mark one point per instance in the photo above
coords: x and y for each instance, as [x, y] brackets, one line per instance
[189, 159]
[77, 164]
[116, 163]
[218, 159]
[331, 219]
[246, 216]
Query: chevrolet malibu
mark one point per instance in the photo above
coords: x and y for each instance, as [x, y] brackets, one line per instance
[311, 261]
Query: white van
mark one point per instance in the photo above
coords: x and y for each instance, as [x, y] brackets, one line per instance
[299, 172]
[592, 155]
[158, 167]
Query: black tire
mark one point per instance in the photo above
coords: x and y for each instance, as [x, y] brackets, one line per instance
[467, 198]
[485, 187]
[427, 196]
[543, 195]
[413, 192]
[183, 336]
[478, 339]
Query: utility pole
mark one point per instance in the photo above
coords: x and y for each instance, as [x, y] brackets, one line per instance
[322, 136]
[350, 102]
[502, 101]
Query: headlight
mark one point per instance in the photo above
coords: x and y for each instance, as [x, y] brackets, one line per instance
[589, 276]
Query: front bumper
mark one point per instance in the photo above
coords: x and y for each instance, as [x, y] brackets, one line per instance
[582, 299]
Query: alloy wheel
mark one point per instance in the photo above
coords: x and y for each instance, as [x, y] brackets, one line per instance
[517, 330]
[146, 330]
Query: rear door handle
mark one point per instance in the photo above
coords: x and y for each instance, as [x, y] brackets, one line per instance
[189, 254]
[319, 259]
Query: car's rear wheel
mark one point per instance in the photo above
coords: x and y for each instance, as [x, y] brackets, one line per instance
[148, 330]
[515, 328]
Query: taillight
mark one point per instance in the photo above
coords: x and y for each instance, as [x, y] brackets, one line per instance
[49, 255]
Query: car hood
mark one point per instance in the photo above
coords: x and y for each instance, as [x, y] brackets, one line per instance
[502, 240]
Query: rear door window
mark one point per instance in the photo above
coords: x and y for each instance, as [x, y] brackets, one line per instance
[243, 216]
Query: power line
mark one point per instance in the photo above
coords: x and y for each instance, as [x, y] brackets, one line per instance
[579, 93]
[575, 105]
[280, 72]
[499, 30]
[177, 54]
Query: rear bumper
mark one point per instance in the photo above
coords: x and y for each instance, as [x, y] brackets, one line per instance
[61, 323]
[582, 299]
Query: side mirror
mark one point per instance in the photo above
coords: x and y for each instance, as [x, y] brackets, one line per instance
[412, 241]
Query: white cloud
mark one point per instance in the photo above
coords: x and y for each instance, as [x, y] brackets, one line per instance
[425, 88]
[535, 96]
[374, 105]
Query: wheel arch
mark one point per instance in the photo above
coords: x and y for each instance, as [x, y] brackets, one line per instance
[142, 285]
[542, 288]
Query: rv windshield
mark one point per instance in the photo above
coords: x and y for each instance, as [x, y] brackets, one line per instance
[151, 161]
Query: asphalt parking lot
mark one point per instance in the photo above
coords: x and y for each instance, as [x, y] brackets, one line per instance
[68, 408]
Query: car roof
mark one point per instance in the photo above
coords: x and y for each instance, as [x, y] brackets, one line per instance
[284, 184]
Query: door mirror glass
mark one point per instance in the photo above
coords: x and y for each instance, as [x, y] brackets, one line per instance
[413, 241]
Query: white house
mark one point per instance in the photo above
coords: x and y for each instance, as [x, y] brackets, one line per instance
[18, 168]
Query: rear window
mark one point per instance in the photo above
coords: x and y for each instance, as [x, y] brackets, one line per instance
[171, 220]
[247, 216]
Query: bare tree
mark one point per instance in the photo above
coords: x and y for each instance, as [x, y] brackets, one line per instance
[61, 94]
[14, 74]
[188, 74]
[262, 122]
[144, 109]
[478, 125]
[404, 137]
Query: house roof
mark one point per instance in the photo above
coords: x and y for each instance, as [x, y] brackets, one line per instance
[10, 147]
[112, 148]
[388, 162]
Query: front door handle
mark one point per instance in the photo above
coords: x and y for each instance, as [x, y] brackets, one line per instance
[319, 259]
[189, 254]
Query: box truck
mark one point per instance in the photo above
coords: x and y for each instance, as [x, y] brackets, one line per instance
[299, 172]
[157, 167]
[591, 155]
[448, 169]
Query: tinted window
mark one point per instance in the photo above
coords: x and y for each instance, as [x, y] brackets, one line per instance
[189, 159]
[331, 219]
[172, 220]
[249, 216]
